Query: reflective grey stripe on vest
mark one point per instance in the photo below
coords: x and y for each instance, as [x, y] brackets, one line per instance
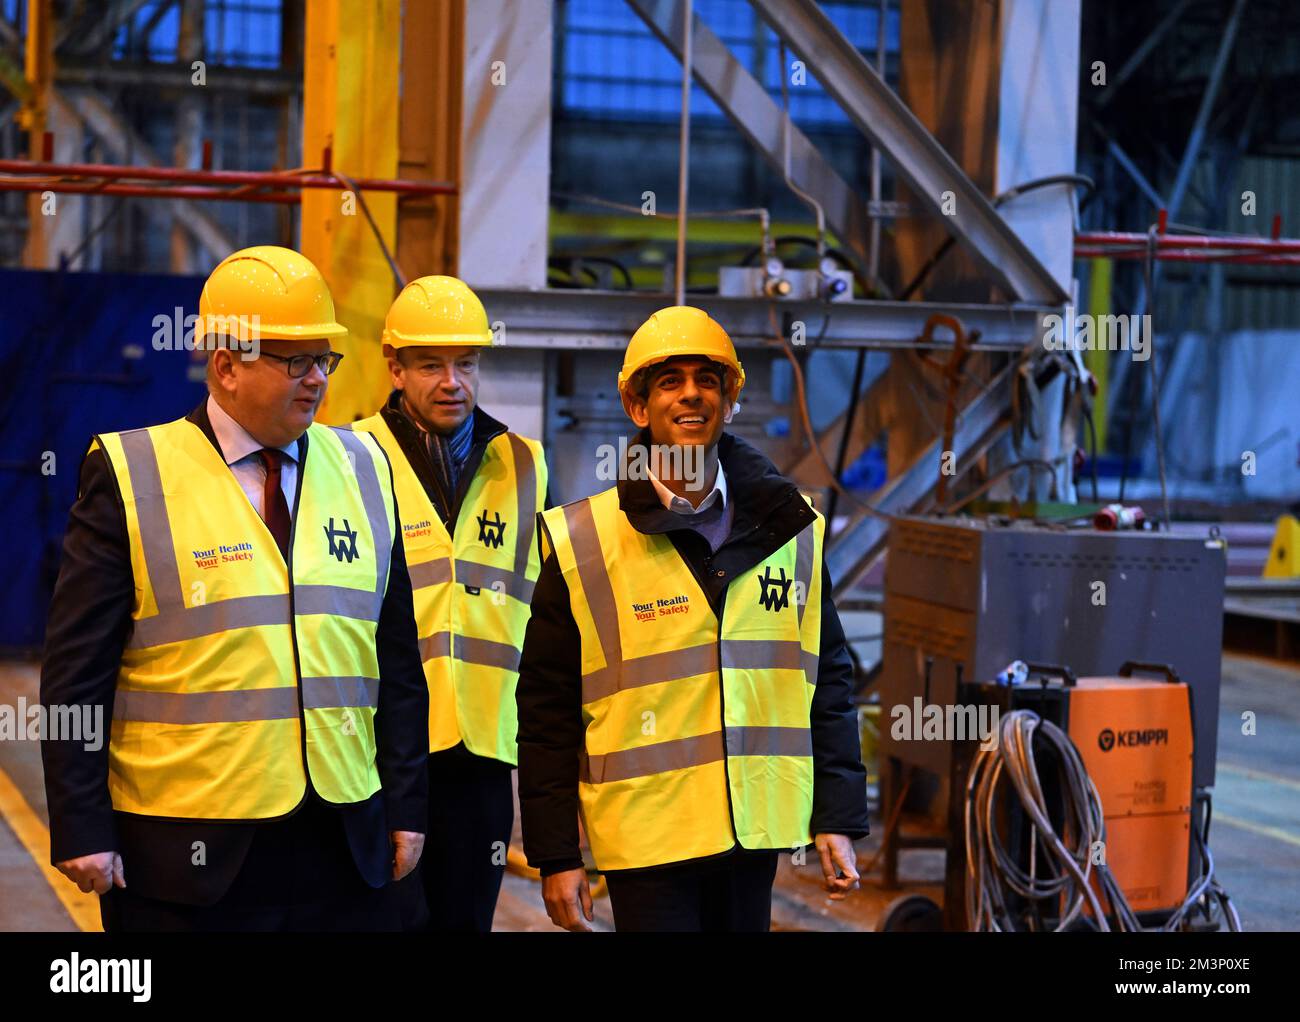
[430, 573]
[324, 693]
[209, 619]
[205, 707]
[769, 654]
[769, 741]
[669, 665]
[483, 576]
[762, 654]
[337, 600]
[803, 563]
[526, 498]
[599, 592]
[484, 652]
[154, 522]
[372, 498]
[676, 754]
[699, 750]
[803, 569]
[436, 645]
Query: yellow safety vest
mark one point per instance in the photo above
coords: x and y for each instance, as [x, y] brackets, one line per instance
[472, 590]
[238, 682]
[697, 734]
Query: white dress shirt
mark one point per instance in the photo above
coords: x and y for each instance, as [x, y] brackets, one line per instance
[241, 453]
[717, 495]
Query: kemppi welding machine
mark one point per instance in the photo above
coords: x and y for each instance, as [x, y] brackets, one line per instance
[1080, 815]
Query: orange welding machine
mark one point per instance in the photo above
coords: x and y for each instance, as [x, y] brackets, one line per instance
[1082, 814]
[1135, 737]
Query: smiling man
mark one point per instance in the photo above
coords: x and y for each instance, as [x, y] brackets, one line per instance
[469, 491]
[234, 590]
[685, 685]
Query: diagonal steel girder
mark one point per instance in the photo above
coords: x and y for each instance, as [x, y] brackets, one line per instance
[851, 551]
[917, 156]
[759, 118]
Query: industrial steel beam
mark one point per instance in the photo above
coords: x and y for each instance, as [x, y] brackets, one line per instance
[121, 142]
[979, 424]
[176, 78]
[758, 117]
[1208, 98]
[597, 320]
[1142, 52]
[917, 156]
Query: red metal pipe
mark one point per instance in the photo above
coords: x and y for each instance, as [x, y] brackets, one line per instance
[269, 179]
[1197, 257]
[1181, 241]
[149, 191]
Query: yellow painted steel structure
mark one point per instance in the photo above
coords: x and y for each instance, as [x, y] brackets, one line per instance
[32, 117]
[350, 106]
[1098, 359]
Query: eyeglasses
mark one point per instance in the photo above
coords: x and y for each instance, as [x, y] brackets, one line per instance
[300, 365]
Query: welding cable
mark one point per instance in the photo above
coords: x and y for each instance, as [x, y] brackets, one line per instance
[398, 275]
[1206, 886]
[993, 874]
[805, 419]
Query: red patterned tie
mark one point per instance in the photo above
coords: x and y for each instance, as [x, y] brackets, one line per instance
[275, 509]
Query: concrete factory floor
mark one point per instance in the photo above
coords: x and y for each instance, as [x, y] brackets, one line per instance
[1255, 835]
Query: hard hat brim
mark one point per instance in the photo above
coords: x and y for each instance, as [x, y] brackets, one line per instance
[403, 340]
[216, 323]
[626, 375]
[292, 333]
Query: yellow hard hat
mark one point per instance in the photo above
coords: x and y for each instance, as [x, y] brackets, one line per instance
[269, 293]
[437, 311]
[678, 330]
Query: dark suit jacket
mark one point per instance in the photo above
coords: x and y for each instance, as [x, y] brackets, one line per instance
[89, 624]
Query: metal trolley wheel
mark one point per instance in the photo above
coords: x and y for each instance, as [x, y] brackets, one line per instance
[912, 913]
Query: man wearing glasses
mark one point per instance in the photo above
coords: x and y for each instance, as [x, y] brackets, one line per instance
[234, 594]
[469, 492]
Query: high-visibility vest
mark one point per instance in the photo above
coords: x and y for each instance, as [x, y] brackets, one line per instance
[472, 588]
[697, 732]
[238, 681]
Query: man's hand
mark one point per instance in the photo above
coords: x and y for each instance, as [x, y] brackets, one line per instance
[568, 899]
[98, 872]
[407, 846]
[836, 851]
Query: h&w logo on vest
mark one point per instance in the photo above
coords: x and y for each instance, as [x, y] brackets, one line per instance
[774, 593]
[491, 533]
[343, 542]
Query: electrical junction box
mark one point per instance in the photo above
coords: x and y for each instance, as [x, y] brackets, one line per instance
[804, 285]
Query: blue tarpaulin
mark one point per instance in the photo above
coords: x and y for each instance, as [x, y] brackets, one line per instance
[79, 355]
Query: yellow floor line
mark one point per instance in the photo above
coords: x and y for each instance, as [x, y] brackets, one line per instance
[1260, 775]
[32, 833]
[1257, 828]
